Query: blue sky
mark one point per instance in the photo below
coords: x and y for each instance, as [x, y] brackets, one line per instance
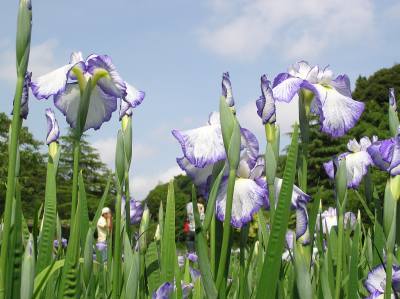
[176, 52]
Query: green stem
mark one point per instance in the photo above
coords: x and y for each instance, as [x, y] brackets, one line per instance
[12, 158]
[389, 266]
[117, 248]
[339, 254]
[213, 245]
[75, 175]
[127, 206]
[227, 228]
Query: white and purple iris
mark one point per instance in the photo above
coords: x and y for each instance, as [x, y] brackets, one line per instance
[329, 219]
[53, 130]
[386, 154]
[136, 210]
[63, 85]
[227, 89]
[376, 282]
[333, 103]
[166, 289]
[266, 102]
[357, 161]
[392, 99]
[25, 95]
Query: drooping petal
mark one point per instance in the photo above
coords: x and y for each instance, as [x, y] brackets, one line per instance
[286, 89]
[386, 155]
[376, 280]
[338, 112]
[164, 291]
[52, 83]
[299, 198]
[133, 98]
[53, 130]
[248, 198]
[227, 89]
[198, 175]
[301, 221]
[100, 110]
[112, 85]
[266, 103]
[202, 146]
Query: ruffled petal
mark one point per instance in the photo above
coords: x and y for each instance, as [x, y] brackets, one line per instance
[133, 98]
[227, 89]
[338, 112]
[299, 198]
[287, 89]
[100, 110]
[386, 155]
[53, 130]
[113, 85]
[357, 166]
[199, 176]
[202, 146]
[248, 197]
[376, 279]
[303, 70]
[51, 83]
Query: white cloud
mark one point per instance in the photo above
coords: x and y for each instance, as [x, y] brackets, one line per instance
[106, 149]
[296, 28]
[141, 184]
[42, 59]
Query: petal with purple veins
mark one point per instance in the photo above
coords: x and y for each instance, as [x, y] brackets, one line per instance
[248, 198]
[53, 130]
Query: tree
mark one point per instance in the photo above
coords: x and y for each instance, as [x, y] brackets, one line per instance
[95, 175]
[183, 190]
[32, 167]
[373, 91]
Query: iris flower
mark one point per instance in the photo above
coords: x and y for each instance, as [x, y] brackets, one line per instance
[357, 161]
[53, 130]
[376, 281]
[136, 210]
[333, 102]
[386, 154]
[266, 102]
[192, 256]
[62, 84]
[392, 99]
[227, 89]
[329, 219]
[164, 291]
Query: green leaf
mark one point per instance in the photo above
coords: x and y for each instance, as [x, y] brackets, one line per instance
[168, 251]
[353, 269]
[49, 219]
[270, 273]
[152, 268]
[202, 252]
[84, 213]
[88, 257]
[28, 270]
[120, 159]
[131, 269]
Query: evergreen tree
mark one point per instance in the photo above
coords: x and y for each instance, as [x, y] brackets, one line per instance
[95, 175]
[32, 167]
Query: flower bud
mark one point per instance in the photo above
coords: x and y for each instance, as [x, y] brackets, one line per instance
[24, 28]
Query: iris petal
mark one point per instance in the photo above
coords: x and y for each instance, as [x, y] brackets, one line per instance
[287, 89]
[248, 198]
[202, 146]
[301, 222]
[339, 112]
[101, 106]
[299, 198]
[53, 130]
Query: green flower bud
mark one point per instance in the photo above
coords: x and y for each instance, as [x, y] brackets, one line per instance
[24, 28]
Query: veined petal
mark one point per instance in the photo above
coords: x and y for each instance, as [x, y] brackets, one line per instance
[301, 221]
[25, 95]
[299, 198]
[227, 89]
[198, 175]
[133, 98]
[52, 83]
[266, 103]
[357, 166]
[250, 147]
[287, 89]
[100, 110]
[248, 197]
[113, 85]
[202, 146]
[53, 130]
[338, 112]
[376, 279]
[386, 154]
[303, 70]
[392, 99]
